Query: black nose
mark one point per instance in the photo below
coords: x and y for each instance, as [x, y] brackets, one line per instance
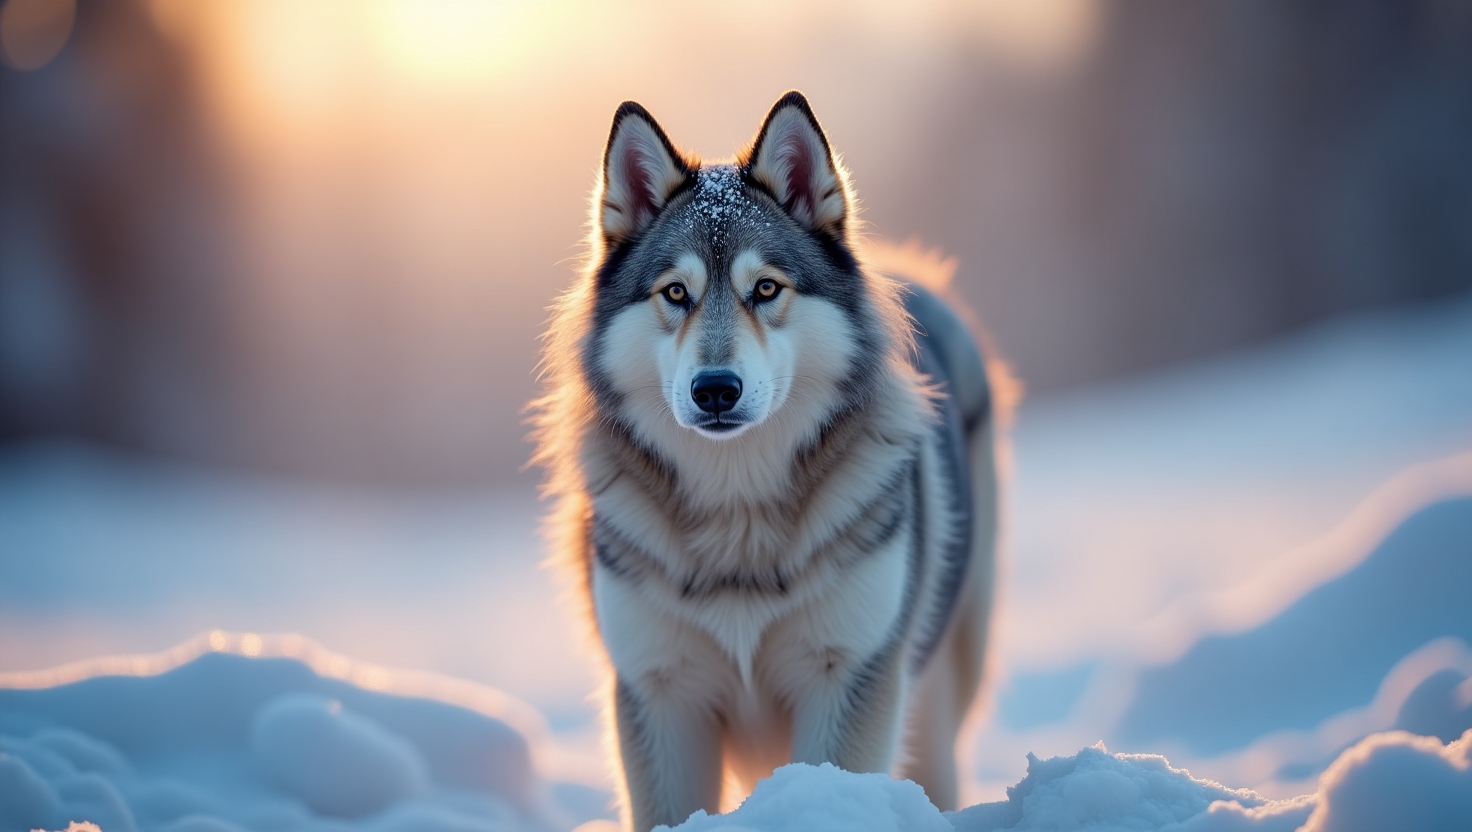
[716, 392]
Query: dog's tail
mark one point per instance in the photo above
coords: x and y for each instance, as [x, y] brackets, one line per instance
[983, 385]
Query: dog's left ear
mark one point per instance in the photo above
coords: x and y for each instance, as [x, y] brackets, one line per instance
[641, 169]
[791, 159]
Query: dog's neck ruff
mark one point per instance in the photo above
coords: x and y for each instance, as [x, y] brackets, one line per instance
[731, 541]
[776, 466]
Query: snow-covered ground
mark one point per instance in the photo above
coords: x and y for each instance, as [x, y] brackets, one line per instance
[1245, 565]
[1248, 565]
[240, 732]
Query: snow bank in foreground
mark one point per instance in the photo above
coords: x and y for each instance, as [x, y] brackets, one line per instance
[226, 743]
[826, 799]
[1097, 790]
[1389, 781]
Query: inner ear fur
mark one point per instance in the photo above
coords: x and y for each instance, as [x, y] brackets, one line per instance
[641, 169]
[792, 160]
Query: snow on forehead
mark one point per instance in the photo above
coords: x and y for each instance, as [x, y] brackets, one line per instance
[719, 191]
[720, 197]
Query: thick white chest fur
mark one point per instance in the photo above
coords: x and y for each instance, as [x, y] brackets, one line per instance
[747, 641]
[758, 659]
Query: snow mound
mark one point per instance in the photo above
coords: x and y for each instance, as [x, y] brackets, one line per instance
[1321, 656]
[1388, 781]
[225, 743]
[1102, 792]
[1397, 780]
[1393, 780]
[336, 762]
[826, 799]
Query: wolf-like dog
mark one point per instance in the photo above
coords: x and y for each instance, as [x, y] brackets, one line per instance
[775, 475]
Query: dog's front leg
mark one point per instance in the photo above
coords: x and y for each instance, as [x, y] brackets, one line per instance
[851, 716]
[665, 705]
[839, 663]
[671, 751]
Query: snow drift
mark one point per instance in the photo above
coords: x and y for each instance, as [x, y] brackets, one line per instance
[225, 743]
[1393, 780]
[229, 742]
[1388, 781]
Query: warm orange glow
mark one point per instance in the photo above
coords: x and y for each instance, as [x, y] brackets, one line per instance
[32, 32]
[454, 41]
[250, 644]
[412, 177]
[597, 826]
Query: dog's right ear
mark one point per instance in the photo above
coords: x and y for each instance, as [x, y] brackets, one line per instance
[641, 169]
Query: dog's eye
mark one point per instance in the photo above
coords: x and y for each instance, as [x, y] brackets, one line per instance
[766, 289]
[675, 293]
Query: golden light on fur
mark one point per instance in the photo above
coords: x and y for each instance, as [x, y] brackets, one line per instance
[791, 583]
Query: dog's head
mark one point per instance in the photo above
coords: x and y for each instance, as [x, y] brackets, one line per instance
[726, 297]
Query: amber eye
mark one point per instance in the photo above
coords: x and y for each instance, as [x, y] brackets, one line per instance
[675, 293]
[766, 289]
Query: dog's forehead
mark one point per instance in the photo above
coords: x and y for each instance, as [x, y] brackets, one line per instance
[720, 194]
[719, 204]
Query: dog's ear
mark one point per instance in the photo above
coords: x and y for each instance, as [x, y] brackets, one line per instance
[791, 159]
[640, 171]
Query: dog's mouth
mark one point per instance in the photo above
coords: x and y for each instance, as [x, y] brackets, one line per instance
[722, 426]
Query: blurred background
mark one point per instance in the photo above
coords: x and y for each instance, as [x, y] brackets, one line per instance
[319, 238]
[272, 275]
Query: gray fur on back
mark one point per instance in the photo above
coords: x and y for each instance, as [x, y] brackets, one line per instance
[962, 368]
[947, 352]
